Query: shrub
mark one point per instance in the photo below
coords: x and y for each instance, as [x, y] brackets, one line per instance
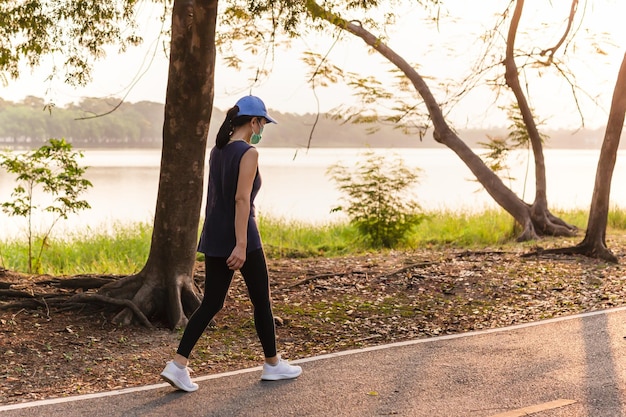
[375, 194]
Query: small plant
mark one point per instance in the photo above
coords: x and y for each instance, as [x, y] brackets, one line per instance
[55, 169]
[376, 197]
[499, 149]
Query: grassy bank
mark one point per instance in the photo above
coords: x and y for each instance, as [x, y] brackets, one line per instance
[125, 250]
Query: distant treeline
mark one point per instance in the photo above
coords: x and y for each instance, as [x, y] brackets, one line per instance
[105, 123]
[86, 124]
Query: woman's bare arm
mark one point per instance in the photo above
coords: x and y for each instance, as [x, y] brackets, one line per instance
[247, 172]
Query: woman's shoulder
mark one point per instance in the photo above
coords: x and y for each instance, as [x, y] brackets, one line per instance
[236, 146]
[235, 151]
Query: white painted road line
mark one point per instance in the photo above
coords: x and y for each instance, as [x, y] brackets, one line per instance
[526, 411]
[316, 358]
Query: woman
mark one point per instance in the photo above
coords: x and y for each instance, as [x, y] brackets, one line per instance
[230, 241]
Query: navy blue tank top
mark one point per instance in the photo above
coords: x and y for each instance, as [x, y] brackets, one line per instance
[218, 232]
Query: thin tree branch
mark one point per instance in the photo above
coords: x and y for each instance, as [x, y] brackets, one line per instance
[551, 51]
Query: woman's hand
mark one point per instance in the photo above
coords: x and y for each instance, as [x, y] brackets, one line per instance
[236, 259]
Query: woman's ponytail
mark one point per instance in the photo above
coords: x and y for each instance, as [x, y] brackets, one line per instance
[231, 122]
[226, 129]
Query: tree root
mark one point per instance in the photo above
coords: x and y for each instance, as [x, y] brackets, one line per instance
[481, 253]
[541, 222]
[314, 278]
[17, 294]
[24, 304]
[341, 274]
[70, 301]
[87, 298]
[590, 251]
[406, 268]
[84, 282]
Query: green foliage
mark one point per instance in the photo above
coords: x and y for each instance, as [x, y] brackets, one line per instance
[54, 169]
[498, 149]
[375, 193]
[77, 31]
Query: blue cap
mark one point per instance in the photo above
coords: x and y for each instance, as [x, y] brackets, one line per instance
[253, 106]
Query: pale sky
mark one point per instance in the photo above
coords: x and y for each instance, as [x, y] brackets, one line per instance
[287, 89]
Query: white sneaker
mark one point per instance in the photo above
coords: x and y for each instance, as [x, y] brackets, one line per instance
[178, 378]
[282, 370]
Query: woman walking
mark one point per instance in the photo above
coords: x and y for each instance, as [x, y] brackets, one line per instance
[230, 241]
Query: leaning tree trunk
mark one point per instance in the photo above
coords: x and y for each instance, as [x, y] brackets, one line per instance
[164, 288]
[594, 243]
[539, 209]
[533, 223]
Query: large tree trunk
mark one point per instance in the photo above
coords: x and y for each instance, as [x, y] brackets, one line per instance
[534, 223]
[164, 288]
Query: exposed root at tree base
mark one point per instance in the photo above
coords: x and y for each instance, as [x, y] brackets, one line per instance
[588, 250]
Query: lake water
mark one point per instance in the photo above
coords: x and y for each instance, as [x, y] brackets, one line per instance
[295, 184]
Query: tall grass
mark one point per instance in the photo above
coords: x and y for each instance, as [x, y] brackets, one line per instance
[617, 218]
[463, 229]
[292, 238]
[124, 250]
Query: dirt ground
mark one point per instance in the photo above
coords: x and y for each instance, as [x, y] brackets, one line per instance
[322, 305]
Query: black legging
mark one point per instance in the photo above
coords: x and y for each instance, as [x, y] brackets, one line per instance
[217, 281]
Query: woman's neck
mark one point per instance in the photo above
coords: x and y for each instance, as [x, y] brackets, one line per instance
[242, 132]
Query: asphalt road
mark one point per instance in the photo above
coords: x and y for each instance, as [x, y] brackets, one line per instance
[569, 367]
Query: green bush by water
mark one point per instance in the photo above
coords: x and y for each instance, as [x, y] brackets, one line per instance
[375, 193]
[125, 249]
